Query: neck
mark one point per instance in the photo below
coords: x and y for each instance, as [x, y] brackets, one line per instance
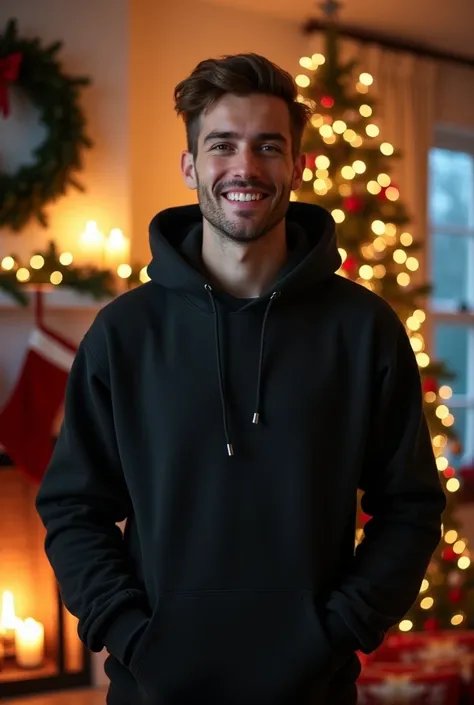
[244, 270]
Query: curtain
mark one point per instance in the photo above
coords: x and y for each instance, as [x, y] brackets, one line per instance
[405, 91]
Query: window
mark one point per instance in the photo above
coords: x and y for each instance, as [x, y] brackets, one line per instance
[451, 216]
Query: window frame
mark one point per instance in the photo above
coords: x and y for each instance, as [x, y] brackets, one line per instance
[457, 140]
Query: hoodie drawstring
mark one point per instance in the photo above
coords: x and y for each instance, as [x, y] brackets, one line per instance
[256, 416]
[230, 449]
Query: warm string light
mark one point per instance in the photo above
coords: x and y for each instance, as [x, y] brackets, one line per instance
[8, 263]
[124, 271]
[66, 259]
[302, 80]
[56, 278]
[405, 625]
[143, 276]
[23, 274]
[312, 63]
[37, 262]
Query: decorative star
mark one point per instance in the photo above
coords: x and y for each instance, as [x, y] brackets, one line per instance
[330, 7]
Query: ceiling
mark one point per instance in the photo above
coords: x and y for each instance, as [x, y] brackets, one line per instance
[441, 24]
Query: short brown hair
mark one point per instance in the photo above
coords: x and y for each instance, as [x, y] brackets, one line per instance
[239, 74]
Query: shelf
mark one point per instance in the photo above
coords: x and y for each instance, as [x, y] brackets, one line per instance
[57, 298]
[11, 672]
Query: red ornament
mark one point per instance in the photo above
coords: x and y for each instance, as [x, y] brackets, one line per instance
[327, 101]
[449, 472]
[349, 264]
[455, 595]
[448, 554]
[311, 160]
[353, 204]
[431, 624]
[9, 69]
[430, 385]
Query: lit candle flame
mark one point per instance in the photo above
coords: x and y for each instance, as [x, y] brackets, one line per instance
[116, 241]
[8, 619]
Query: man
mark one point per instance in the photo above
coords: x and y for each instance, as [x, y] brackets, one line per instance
[229, 410]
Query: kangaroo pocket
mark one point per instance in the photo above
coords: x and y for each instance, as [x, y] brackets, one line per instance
[233, 647]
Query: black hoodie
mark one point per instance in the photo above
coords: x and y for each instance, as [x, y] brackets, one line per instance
[233, 436]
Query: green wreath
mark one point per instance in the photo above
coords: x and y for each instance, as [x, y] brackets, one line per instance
[36, 71]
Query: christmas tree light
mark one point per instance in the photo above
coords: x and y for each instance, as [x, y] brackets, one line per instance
[348, 172]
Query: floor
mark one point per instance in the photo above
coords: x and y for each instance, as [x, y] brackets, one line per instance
[72, 697]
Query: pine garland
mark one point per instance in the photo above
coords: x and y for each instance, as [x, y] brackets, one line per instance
[98, 283]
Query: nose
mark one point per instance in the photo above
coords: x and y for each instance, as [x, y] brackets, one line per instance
[246, 164]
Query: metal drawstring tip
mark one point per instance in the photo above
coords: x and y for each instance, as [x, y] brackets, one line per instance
[256, 418]
[230, 449]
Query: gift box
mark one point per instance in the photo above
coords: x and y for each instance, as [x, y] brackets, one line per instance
[400, 684]
[425, 646]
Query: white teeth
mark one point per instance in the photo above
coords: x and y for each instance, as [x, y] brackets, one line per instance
[236, 196]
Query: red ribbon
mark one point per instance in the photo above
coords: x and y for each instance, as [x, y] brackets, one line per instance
[9, 69]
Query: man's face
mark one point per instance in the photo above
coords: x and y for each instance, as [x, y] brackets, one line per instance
[244, 170]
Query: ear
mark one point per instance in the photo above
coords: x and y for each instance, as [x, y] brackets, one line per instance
[300, 163]
[188, 170]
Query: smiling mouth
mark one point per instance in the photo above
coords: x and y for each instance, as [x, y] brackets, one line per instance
[244, 196]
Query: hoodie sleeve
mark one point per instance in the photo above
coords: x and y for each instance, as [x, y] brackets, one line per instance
[81, 498]
[404, 497]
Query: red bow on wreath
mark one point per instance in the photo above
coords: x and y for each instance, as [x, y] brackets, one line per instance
[9, 69]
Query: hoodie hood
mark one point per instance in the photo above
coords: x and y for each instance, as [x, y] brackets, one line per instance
[172, 229]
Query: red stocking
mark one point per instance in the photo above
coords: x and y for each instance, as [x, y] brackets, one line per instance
[26, 421]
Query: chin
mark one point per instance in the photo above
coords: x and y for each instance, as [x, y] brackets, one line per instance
[243, 236]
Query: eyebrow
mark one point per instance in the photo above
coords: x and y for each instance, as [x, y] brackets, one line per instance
[261, 137]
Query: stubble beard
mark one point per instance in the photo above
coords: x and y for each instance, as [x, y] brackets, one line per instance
[243, 229]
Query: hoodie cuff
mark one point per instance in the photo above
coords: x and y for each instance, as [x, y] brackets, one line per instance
[124, 633]
[343, 641]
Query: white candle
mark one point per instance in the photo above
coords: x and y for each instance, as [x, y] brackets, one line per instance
[116, 249]
[91, 243]
[29, 643]
[8, 623]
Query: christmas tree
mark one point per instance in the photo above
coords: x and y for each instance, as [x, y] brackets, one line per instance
[348, 168]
